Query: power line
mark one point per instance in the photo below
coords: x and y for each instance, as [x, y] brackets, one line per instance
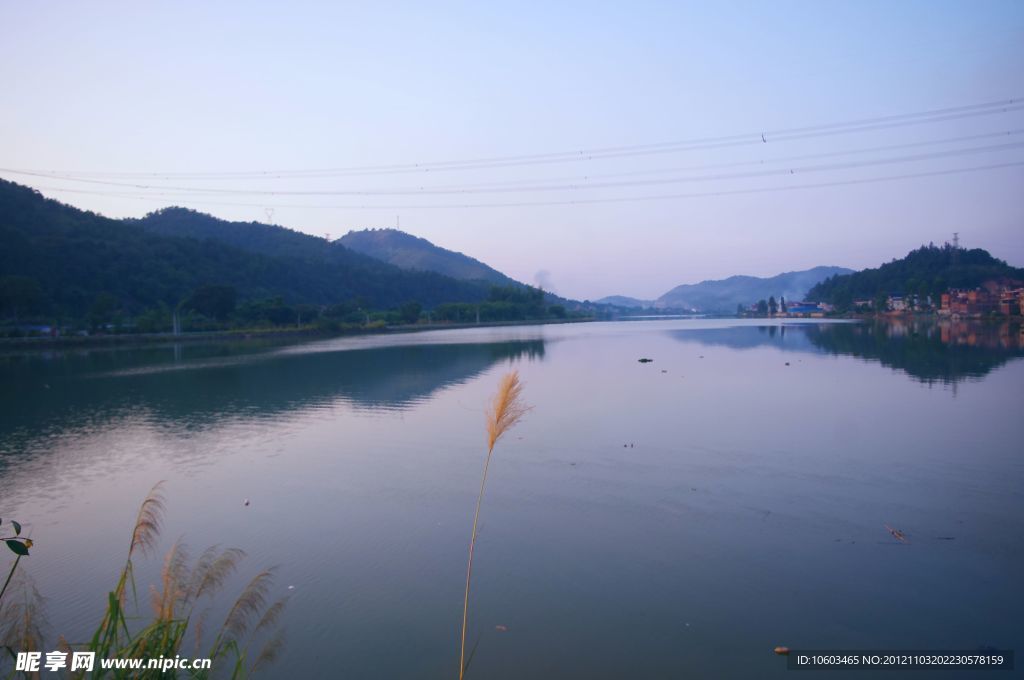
[740, 164]
[582, 201]
[706, 166]
[601, 153]
[910, 158]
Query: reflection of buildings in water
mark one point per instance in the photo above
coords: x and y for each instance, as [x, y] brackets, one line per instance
[927, 350]
[901, 329]
[990, 336]
[993, 335]
[896, 328]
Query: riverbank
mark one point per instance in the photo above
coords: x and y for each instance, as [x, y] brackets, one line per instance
[250, 334]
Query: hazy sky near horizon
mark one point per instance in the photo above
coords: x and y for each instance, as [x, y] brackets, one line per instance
[126, 107]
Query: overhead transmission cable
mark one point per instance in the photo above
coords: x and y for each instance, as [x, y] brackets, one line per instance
[909, 158]
[582, 201]
[599, 153]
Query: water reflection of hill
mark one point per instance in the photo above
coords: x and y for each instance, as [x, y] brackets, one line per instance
[929, 351]
[785, 337]
[52, 393]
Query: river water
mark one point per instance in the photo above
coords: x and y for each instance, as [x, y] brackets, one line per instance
[672, 519]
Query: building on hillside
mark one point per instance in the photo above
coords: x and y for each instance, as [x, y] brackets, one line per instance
[1011, 302]
[975, 302]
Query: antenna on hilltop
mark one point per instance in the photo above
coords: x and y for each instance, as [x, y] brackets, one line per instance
[956, 239]
[398, 223]
[270, 215]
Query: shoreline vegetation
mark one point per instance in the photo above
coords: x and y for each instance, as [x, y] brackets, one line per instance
[214, 313]
[182, 601]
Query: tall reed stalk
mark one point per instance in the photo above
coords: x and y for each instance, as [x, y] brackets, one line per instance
[505, 411]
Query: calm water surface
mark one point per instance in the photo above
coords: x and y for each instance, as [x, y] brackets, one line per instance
[676, 519]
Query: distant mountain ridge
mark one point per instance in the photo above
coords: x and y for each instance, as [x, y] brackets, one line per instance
[624, 301]
[723, 295]
[414, 253]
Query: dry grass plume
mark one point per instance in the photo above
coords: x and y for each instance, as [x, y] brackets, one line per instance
[507, 409]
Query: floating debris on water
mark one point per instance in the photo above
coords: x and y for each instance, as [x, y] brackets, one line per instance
[897, 534]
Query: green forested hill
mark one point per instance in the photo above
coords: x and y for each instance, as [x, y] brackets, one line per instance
[359, 275]
[254, 237]
[929, 270]
[59, 260]
[411, 252]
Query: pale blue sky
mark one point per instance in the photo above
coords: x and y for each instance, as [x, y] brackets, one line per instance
[199, 87]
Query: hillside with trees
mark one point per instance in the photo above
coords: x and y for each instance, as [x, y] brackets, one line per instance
[504, 303]
[928, 271]
[356, 274]
[415, 253]
[61, 266]
[59, 262]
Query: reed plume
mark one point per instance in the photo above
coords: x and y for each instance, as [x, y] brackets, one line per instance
[21, 619]
[249, 606]
[507, 409]
[183, 587]
[148, 521]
